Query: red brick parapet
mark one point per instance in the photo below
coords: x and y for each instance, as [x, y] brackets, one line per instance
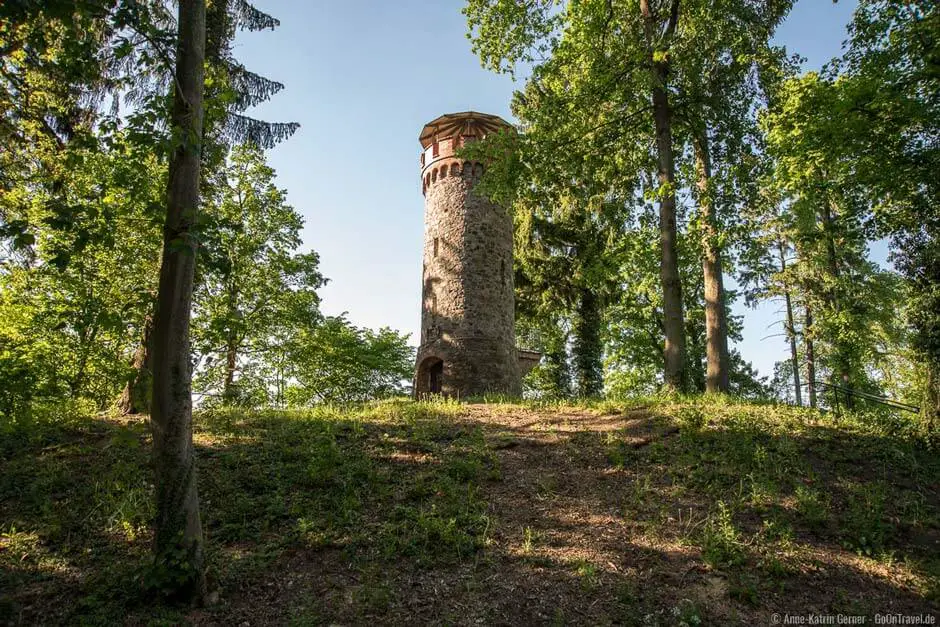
[443, 137]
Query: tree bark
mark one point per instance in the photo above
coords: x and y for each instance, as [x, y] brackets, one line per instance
[675, 367]
[716, 324]
[178, 539]
[229, 392]
[810, 356]
[135, 399]
[554, 343]
[587, 346]
[791, 330]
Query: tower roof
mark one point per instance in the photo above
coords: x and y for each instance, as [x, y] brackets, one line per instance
[469, 123]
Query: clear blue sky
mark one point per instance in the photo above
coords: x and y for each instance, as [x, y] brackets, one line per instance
[362, 77]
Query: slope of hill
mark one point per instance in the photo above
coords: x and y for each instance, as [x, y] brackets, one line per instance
[651, 512]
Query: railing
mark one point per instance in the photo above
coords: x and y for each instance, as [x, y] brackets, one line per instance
[874, 398]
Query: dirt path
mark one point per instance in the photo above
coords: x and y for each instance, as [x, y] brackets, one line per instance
[562, 540]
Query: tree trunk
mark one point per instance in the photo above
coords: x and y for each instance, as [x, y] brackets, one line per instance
[135, 399]
[656, 37]
[716, 324]
[587, 347]
[555, 346]
[674, 352]
[810, 356]
[791, 330]
[178, 540]
[229, 392]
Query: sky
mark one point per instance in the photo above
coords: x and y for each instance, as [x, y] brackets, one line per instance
[362, 77]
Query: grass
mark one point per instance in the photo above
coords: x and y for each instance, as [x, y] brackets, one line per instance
[655, 511]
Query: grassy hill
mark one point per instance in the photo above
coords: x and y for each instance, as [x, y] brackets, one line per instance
[652, 512]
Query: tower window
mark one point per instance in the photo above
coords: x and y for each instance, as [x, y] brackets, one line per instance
[435, 247]
[502, 270]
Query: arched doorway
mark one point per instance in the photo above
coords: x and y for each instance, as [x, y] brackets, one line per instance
[430, 376]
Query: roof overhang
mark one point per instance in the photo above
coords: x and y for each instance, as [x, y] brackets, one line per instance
[468, 123]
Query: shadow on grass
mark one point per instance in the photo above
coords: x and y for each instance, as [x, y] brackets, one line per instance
[430, 512]
[770, 515]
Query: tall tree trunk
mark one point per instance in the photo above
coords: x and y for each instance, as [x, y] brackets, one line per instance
[587, 347]
[674, 371]
[810, 356]
[178, 539]
[555, 346]
[229, 392]
[716, 323]
[674, 351]
[135, 399]
[791, 329]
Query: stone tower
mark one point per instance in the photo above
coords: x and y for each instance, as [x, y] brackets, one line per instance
[467, 312]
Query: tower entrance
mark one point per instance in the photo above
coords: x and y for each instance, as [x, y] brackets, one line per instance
[435, 377]
[430, 377]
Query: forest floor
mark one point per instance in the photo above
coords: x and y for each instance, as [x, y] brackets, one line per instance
[648, 513]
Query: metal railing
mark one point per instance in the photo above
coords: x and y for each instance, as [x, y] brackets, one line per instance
[867, 396]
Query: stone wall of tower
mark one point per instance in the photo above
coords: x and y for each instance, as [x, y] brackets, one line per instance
[467, 317]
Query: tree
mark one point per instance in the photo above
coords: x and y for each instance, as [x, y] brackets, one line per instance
[80, 288]
[60, 60]
[178, 539]
[659, 28]
[766, 255]
[890, 87]
[828, 222]
[231, 90]
[252, 280]
[722, 82]
[634, 321]
[564, 255]
[336, 362]
[634, 349]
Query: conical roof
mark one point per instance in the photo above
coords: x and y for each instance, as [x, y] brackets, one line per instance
[469, 123]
